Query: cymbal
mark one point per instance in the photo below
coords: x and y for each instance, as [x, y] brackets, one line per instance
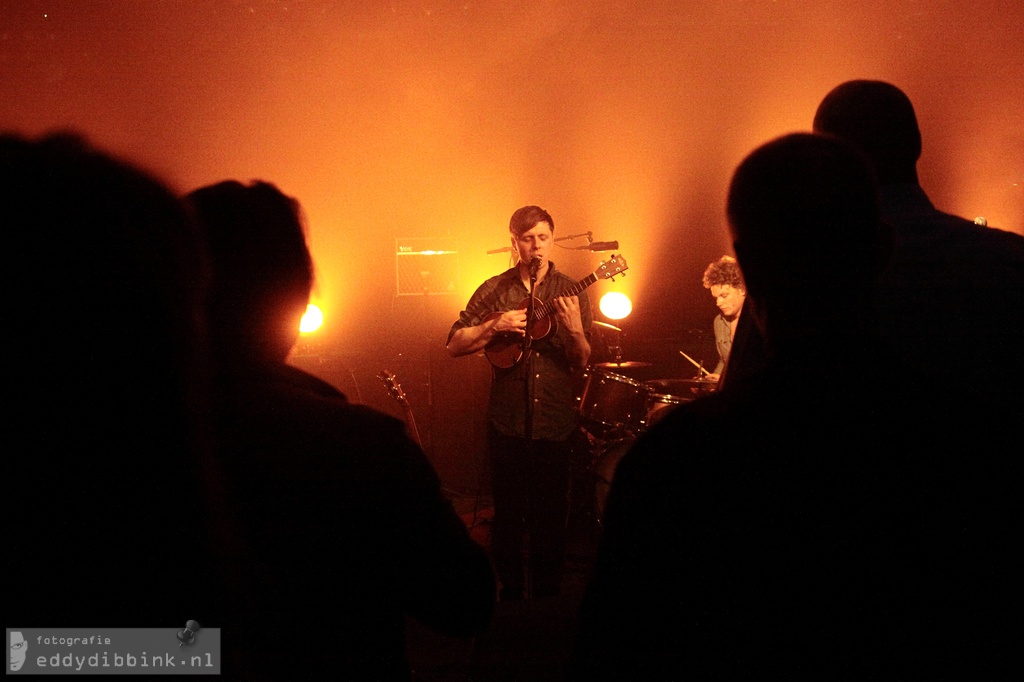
[628, 364]
[607, 326]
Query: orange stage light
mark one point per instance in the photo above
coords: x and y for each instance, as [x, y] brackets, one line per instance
[312, 320]
[615, 305]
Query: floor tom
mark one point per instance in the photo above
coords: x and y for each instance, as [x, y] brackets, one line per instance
[611, 403]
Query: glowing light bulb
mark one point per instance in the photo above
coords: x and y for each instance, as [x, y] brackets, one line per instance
[312, 320]
[615, 305]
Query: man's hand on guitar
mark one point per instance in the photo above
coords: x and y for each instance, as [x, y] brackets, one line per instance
[497, 333]
[494, 328]
[567, 309]
[512, 322]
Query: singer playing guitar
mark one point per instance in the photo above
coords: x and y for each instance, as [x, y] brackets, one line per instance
[531, 411]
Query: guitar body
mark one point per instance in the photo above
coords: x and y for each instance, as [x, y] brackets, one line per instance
[507, 349]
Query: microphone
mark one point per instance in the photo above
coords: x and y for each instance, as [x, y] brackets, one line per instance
[534, 266]
[599, 246]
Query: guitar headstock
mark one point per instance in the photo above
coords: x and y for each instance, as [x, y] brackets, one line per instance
[613, 267]
[394, 389]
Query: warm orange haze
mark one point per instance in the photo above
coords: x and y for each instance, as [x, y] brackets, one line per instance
[433, 121]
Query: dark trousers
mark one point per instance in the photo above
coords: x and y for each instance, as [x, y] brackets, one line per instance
[530, 486]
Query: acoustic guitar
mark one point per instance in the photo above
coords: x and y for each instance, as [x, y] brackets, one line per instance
[394, 389]
[507, 349]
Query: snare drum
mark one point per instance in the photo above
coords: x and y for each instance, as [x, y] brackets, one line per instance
[664, 394]
[658, 405]
[611, 402]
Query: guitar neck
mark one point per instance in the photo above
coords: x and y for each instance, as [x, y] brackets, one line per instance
[410, 425]
[549, 307]
[395, 391]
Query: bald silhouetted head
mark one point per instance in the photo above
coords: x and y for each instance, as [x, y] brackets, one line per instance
[878, 119]
[804, 215]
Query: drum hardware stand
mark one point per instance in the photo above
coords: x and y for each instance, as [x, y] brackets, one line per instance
[424, 323]
[615, 347]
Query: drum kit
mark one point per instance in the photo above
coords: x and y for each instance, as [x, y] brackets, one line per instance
[614, 406]
[616, 409]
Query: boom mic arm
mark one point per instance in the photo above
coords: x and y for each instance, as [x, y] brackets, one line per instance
[590, 246]
[599, 246]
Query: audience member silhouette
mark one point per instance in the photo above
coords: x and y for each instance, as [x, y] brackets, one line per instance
[747, 352]
[808, 521]
[103, 277]
[341, 515]
[952, 298]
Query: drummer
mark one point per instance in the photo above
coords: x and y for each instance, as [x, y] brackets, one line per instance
[724, 279]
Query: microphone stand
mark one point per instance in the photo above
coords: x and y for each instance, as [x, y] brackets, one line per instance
[588, 235]
[528, 403]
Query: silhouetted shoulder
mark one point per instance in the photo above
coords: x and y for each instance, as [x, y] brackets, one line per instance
[287, 411]
[908, 209]
[346, 527]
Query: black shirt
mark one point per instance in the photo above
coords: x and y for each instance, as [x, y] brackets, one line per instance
[547, 372]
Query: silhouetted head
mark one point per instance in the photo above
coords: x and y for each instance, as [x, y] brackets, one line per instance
[803, 211]
[102, 280]
[878, 119]
[262, 270]
[110, 278]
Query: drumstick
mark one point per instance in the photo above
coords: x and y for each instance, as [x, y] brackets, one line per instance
[695, 363]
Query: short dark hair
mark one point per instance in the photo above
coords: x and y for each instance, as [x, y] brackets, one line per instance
[262, 269]
[725, 270]
[528, 217]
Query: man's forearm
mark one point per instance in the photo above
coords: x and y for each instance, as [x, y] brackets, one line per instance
[578, 350]
[470, 340]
